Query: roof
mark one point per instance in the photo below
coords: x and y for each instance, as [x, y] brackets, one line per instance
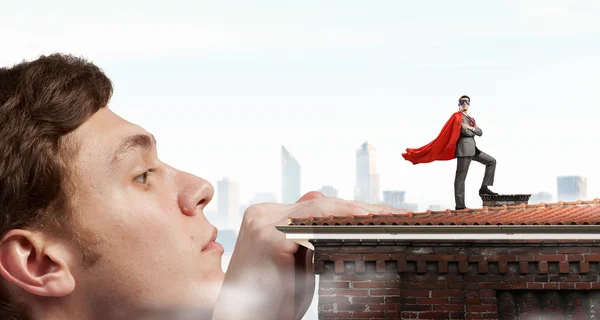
[553, 214]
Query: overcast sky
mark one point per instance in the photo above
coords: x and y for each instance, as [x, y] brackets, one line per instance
[223, 84]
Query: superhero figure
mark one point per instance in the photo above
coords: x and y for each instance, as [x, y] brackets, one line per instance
[457, 140]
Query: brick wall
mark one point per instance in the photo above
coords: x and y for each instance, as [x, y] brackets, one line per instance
[460, 280]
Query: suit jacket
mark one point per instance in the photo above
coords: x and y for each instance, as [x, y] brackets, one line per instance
[465, 146]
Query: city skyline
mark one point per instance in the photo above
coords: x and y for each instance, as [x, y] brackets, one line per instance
[394, 198]
[568, 185]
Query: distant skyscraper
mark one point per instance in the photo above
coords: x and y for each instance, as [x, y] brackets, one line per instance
[329, 191]
[394, 198]
[228, 202]
[571, 188]
[290, 177]
[545, 197]
[367, 179]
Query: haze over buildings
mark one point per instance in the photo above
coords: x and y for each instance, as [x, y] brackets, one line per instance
[571, 188]
[329, 191]
[228, 202]
[541, 197]
[367, 179]
[290, 177]
[261, 197]
[230, 211]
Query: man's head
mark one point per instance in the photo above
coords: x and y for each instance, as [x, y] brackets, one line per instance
[464, 102]
[91, 219]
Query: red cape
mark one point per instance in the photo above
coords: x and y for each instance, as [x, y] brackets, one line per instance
[442, 148]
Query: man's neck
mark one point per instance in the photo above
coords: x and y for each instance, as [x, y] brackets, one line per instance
[56, 314]
[69, 307]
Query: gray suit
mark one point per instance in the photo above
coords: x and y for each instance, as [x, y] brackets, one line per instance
[466, 150]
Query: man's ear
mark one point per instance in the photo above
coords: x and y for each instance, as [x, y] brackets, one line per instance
[36, 263]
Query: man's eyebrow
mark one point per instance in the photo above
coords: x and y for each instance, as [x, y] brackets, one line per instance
[146, 141]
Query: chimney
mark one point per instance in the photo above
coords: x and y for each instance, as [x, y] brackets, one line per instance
[505, 199]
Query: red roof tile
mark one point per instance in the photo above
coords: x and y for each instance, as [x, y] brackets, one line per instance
[560, 213]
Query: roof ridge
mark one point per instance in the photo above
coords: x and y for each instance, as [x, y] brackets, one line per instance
[559, 203]
[561, 212]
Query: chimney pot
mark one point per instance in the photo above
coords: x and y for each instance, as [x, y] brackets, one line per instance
[505, 200]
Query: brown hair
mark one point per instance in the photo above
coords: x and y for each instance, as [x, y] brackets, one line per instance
[40, 103]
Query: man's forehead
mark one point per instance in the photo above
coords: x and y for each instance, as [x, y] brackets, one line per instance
[103, 120]
[103, 133]
[105, 124]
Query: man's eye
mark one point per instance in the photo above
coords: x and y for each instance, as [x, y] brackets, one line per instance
[143, 178]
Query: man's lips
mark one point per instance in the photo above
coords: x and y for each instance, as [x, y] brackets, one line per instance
[213, 244]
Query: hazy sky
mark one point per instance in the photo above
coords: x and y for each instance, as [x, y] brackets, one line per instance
[223, 84]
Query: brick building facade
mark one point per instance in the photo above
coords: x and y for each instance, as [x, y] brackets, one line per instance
[510, 262]
[457, 280]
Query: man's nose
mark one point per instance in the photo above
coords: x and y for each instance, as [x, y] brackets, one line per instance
[194, 195]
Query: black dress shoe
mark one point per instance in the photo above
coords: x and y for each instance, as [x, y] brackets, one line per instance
[486, 191]
[459, 208]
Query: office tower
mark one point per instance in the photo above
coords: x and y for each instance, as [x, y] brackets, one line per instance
[394, 198]
[329, 191]
[228, 202]
[367, 179]
[290, 177]
[571, 188]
